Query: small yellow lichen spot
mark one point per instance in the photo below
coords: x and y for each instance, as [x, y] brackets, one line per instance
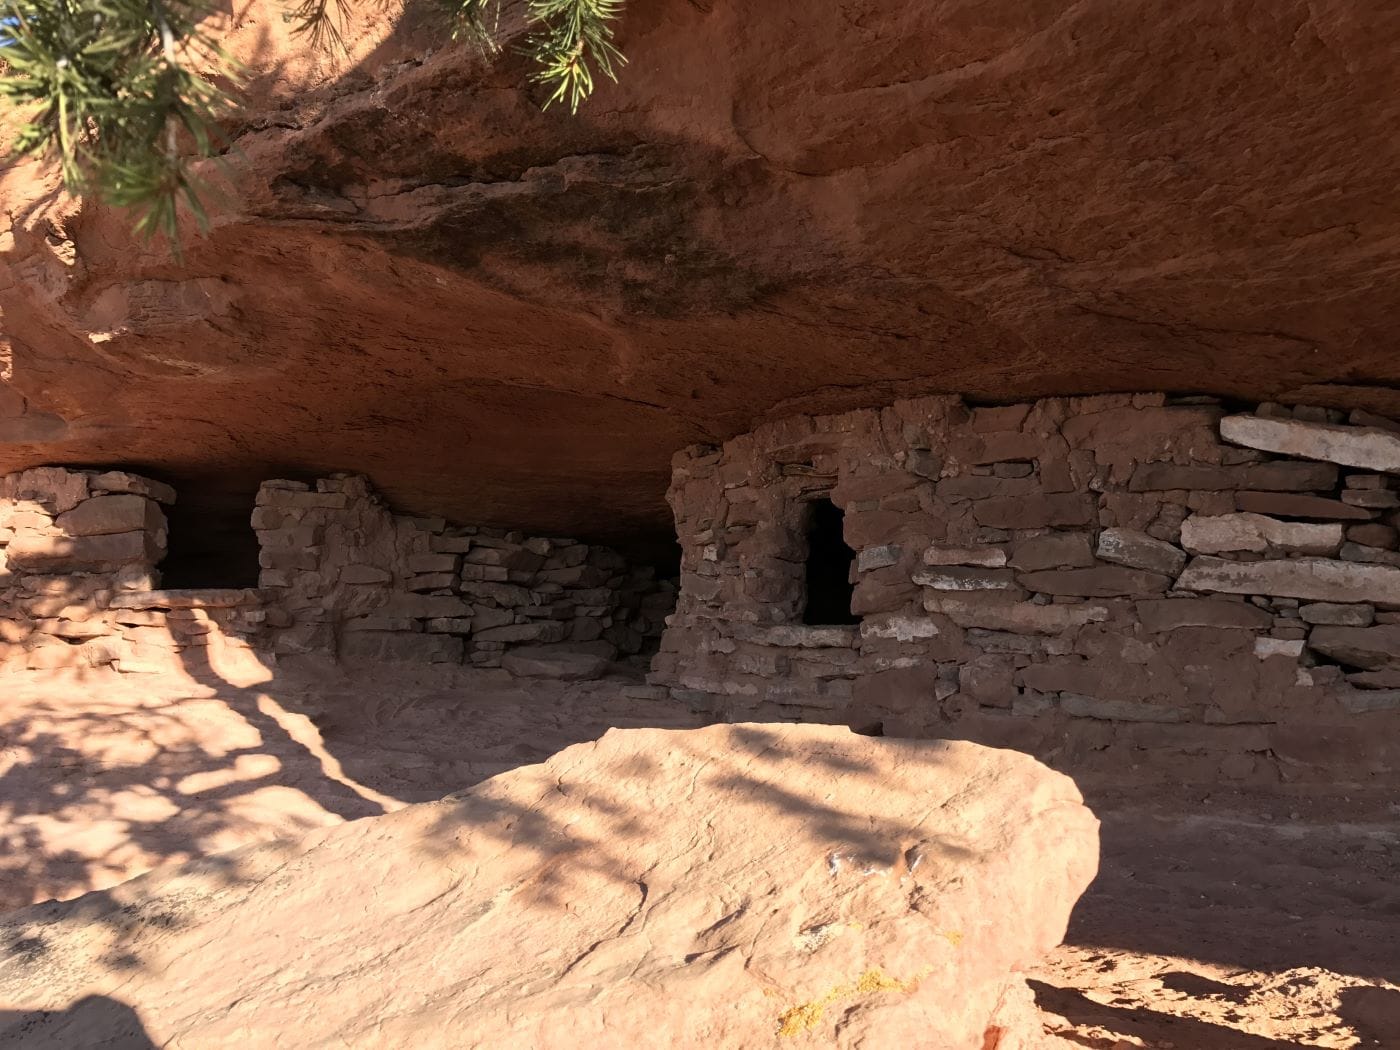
[806, 1016]
[876, 980]
[954, 937]
[801, 1018]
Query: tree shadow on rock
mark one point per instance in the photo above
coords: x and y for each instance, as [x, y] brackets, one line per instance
[96, 1022]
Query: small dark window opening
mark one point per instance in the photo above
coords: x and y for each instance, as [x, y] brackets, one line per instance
[829, 561]
[211, 542]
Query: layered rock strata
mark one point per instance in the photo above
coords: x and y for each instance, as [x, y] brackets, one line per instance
[1124, 583]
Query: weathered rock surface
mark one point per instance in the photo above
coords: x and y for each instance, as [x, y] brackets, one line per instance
[1368, 447]
[733, 886]
[549, 661]
[1203, 534]
[499, 313]
[1317, 579]
[1137, 550]
[1369, 648]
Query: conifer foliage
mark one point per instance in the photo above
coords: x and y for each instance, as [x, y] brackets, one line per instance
[126, 92]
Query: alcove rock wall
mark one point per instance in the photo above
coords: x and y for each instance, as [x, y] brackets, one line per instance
[1112, 583]
[341, 575]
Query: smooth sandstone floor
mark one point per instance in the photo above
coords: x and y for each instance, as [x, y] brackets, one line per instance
[1218, 921]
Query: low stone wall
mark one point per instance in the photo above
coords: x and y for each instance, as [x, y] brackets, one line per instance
[342, 575]
[1113, 583]
[341, 572]
[78, 556]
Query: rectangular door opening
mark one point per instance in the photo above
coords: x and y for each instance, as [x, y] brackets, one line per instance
[829, 564]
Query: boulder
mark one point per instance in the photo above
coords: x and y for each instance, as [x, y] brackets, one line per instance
[736, 886]
[559, 662]
[1366, 447]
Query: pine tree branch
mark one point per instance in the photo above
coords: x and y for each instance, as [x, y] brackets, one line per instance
[110, 86]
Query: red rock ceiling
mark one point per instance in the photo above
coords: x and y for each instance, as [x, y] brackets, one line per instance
[512, 316]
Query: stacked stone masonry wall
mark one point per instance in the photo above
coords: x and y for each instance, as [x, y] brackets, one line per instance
[342, 575]
[78, 578]
[341, 572]
[1117, 584]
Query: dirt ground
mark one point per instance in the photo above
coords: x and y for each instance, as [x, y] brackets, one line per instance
[1218, 921]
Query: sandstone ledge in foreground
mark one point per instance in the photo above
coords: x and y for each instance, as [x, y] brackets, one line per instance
[735, 886]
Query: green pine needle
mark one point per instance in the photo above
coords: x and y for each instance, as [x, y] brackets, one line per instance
[110, 88]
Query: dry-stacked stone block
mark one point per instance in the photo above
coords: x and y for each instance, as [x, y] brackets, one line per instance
[78, 557]
[1118, 583]
[345, 574]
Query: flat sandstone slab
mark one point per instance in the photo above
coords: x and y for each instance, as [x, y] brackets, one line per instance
[1316, 579]
[1366, 447]
[735, 886]
[1213, 534]
[193, 598]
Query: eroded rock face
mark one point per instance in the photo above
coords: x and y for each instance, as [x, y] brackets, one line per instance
[731, 886]
[515, 317]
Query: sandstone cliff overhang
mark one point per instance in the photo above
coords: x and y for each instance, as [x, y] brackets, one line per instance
[513, 316]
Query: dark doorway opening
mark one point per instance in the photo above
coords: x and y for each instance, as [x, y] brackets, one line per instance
[829, 561]
[211, 539]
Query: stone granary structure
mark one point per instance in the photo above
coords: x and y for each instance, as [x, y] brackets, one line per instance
[342, 575]
[1123, 582]
[1109, 582]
